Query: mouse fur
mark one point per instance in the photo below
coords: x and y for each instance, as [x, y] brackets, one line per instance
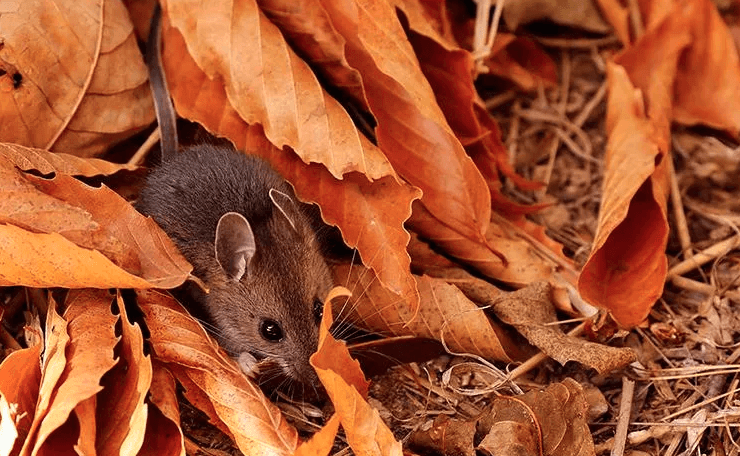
[284, 280]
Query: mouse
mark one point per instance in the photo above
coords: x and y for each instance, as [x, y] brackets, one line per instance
[249, 239]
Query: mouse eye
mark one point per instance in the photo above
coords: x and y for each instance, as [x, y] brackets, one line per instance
[271, 330]
[318, 309]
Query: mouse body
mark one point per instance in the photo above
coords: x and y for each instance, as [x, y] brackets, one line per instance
[250, 241]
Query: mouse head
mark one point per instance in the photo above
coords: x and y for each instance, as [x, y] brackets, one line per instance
[274, 280]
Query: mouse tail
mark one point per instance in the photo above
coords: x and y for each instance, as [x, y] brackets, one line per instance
[166, 117]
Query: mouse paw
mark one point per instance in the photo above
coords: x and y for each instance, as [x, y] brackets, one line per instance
[248, 363]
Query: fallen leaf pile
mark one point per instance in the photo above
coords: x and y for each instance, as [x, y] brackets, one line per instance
[372, 110]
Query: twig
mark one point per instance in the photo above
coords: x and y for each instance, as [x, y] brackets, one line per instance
[682, 228]
[138, 157]
[532, 362]
[623, 419]
[705, 256]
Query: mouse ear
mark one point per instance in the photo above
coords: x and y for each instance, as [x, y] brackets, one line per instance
[235, 244]
[285, 205]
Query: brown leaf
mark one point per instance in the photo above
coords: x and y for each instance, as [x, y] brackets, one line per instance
[530, 310]
[308, 28]
[268, 84]
[370, 215]
[573, 13]
[7, 427]
[97, 220]
[447, 436]
[163, 433]
[552, 422]
[45, 162]
[523, 264]
[85, 414]
[618, 17]
[521, 61]
[125, 392]
[80, 352]
[707, 87]
[411, 128]
[444, 312]
[626, 270]
[321, 442]
[51, 260]
[196, 361]
[76, 89]
[20, 378]
[346, 386]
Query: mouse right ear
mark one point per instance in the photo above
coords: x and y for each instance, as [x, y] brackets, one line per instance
[235, 244]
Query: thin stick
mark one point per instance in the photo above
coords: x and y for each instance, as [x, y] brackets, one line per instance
[532, 362]
[705, 256]
[682, 227]
[623, 419]
[138, 157]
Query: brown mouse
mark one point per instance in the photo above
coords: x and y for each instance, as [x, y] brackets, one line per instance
[249, 240]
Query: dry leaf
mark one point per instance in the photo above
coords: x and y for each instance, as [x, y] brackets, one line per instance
[20, 378]
[346, 386]
[573, 13]
[707, 87]
[196, 361]
[79, 352]
[255, 75]
[73, 77]
[45, 162]
[444, 314]
[163, 433]
[626, 270]
[85, 414]
[411, 128]
[552, 422]
[125, 391]
[320, 444]
[8, 430]
[447, 436]
[618, 17]
[530, 310]
[95, 220]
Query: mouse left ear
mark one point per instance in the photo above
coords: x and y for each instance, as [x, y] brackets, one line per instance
[285, 205]
[235, 244]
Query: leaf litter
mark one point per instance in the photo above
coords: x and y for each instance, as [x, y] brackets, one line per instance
[592, 121]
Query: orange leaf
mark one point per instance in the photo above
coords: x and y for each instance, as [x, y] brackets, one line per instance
[7, 427]
[444, 312]
[412, 130]
[125, 392]
[216, 381]
[45, 162]
[366, 432]
[70, 84]
[20, 378]
[163, 433]
[626, 270]
[708, 81]
[92, 221]
[268, 84]
[80, 352]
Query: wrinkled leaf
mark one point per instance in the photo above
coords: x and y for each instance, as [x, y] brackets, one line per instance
[92, 221]
[199, 364]
[125, 391]
[27, 158]
[73, 78]
[346, 386]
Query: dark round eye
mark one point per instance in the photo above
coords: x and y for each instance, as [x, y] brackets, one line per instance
[318, 309]
[271, 330]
